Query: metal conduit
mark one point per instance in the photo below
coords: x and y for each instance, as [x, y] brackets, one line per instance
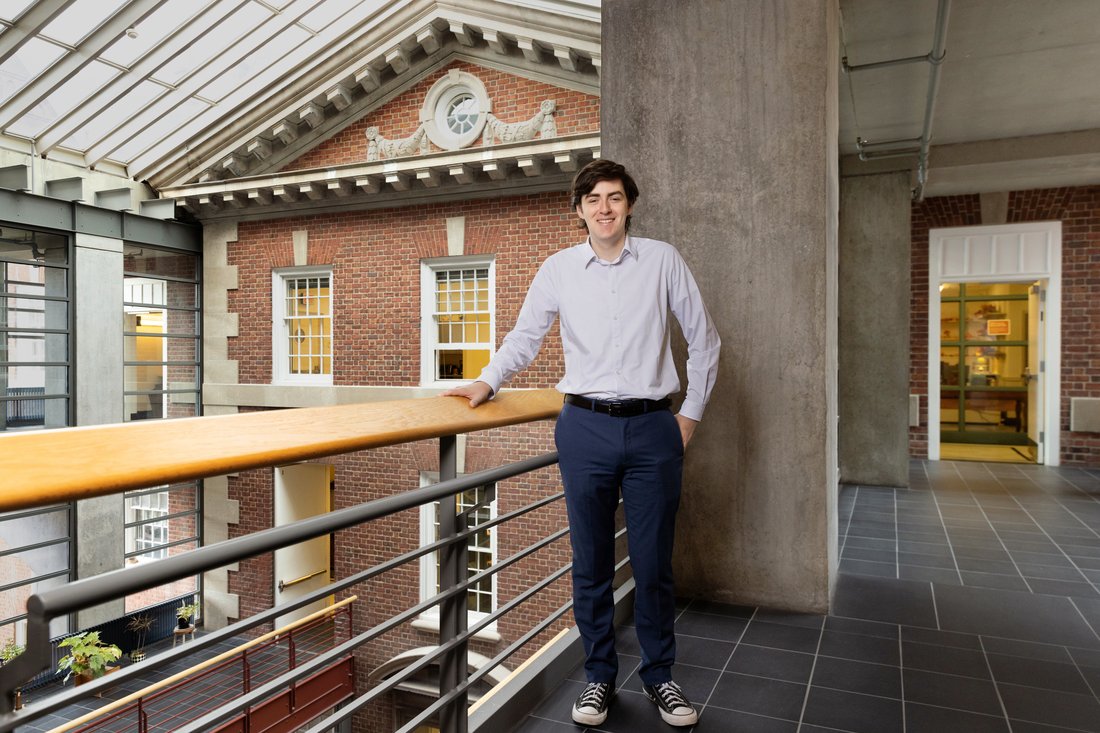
[919, 145]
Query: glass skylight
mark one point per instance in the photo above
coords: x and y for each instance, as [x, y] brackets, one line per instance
[79, 19]
[136, 84]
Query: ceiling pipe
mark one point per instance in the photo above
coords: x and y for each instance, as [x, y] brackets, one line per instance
[936, 59]
[917, 145]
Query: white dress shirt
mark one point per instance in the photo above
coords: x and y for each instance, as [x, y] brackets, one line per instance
[615, 325]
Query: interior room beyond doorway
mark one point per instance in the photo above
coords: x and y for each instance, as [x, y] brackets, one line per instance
[984, 371]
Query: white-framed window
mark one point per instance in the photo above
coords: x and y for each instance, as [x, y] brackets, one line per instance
[481, 504]
[458, 327]
[149, 533]
[302, 325]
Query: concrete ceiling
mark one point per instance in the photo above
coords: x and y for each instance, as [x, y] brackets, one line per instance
[1018, 103]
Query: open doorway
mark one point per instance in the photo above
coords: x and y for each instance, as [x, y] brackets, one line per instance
[988, 340]
[993, 343]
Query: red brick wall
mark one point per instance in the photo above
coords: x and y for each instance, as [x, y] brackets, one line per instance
[514, 99]
[1079, 211]
[375, 257]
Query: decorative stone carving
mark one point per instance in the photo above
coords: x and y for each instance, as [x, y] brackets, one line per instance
[379, 147]
[542, 124]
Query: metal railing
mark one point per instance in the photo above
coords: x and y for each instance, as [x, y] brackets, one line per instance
[183, 697]
[320, 431]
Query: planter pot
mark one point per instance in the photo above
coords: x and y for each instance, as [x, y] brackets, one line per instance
[183, 623]
[80, 679]
[137, 655]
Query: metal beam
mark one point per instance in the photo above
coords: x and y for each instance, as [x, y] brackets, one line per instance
[71, 63]
[27, 25]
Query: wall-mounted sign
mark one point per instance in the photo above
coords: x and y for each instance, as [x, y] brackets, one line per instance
[998, 327]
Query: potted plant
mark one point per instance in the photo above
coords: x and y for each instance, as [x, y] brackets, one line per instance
[139, 625]
[185, 613]
[89, 658]
[8, 652]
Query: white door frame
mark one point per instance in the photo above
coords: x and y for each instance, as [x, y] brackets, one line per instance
[1002, 253]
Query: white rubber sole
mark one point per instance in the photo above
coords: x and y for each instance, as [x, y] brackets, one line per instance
[678, 721]
[589, 718]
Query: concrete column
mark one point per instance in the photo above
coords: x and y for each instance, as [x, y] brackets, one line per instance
[219, 511]
[725, 110]
[874, 329]
[98, 292]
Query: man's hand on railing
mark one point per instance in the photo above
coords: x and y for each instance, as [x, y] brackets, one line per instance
[476, 392]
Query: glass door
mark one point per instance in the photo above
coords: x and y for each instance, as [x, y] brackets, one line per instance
[984, 333]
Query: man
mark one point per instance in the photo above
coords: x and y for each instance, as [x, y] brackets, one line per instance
[614, 294]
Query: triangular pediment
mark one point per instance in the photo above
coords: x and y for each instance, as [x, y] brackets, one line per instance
[556, 44]
[510, 100]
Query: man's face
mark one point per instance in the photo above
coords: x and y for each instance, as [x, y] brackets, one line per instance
[604, 209]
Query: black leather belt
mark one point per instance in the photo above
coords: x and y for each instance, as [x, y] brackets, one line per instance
[618, 408]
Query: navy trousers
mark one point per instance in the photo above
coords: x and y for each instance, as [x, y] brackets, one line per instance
[642, 456]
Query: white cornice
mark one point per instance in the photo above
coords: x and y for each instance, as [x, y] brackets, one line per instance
[512, 168]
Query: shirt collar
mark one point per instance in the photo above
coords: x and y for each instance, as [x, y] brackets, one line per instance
[590, 256]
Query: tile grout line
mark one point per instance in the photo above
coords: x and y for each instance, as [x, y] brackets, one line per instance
[993, 679]
[994, 529]
[901, 667]
[946, 534]
[1082, 615]
[847, 527]
[897, 538]
[1057, 544]
[725, 667]
[810, 679]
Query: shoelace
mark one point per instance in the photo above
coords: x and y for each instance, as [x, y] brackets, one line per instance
[593, 695]
[671, 695]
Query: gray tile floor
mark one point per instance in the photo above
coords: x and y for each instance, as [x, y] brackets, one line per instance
[968, 602]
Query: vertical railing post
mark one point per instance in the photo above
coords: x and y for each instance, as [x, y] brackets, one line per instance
[452, 611]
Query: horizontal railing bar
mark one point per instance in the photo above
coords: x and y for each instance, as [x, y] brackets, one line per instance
[391, 682]
[185, 486]
[118, 583]
[472, 677]
[34, 579]
[160, 518]
[54, 703]
[65, 464]
[64, 507]
[224, 713]
[35, 546]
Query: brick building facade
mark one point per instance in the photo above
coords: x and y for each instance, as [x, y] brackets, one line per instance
[376, 256]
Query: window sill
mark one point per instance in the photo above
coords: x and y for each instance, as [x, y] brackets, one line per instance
[431, 623]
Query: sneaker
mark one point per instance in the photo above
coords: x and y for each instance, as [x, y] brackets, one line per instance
[674, 706]
[591, 707]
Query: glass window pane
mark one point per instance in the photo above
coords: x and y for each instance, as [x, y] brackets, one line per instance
[949, 290]
[949, 366]
[28, 312]
[83, 83]
[32, 58]
[21, 244]
[157, 347]
[144, 260]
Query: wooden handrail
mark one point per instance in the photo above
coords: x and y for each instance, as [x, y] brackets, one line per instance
[50, 466]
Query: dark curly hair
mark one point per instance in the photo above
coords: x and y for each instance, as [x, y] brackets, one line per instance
[598, 170]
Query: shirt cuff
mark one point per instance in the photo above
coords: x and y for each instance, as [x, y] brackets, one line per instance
[691, 409]
[490, 379]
